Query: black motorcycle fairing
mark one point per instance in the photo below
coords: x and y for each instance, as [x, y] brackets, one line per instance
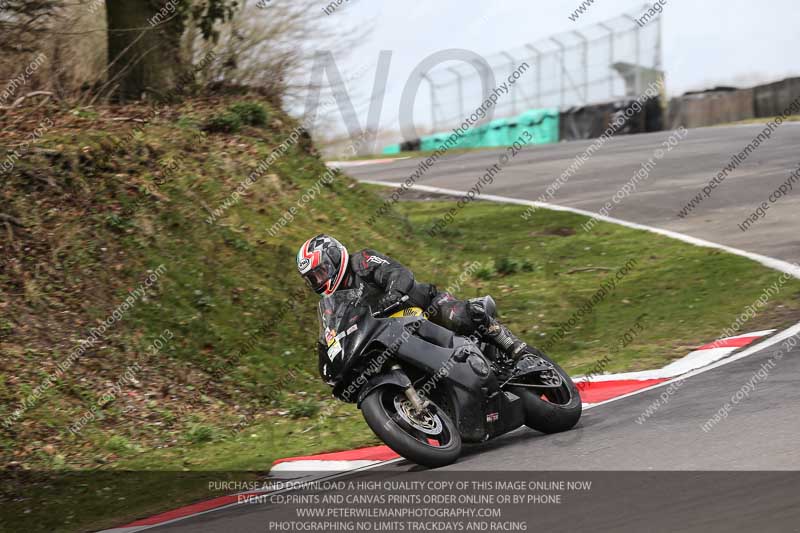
[359, 346]
[393, 377]
[345, 325]
[435, 334]
[465, 393]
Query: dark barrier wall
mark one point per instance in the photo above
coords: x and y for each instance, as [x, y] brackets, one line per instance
[590, 122]
[774, 98]
[709, 108]
[723, 105]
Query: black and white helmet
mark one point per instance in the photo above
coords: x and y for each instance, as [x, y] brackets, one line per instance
[322, 261]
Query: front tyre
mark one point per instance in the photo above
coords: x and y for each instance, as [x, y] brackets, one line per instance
[551, 410]
[429, 438]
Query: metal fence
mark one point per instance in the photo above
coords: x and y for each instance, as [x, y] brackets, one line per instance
[614, 59]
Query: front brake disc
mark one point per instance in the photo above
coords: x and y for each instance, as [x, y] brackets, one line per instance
[424, 420]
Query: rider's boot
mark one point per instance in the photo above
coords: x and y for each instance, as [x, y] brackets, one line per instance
[481, 312]
[504, 340]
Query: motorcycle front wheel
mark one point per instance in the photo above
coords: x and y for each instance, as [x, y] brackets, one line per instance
[428, 438]
[551, 410]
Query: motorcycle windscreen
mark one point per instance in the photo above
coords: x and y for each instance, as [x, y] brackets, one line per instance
[339, 315]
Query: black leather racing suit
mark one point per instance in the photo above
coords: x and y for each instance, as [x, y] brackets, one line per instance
[379, 274]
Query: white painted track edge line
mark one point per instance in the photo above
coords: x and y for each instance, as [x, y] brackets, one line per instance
[770, 262]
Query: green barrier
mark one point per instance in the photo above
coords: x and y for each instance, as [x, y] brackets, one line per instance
[461, 140]
[428, 143]
[479, 136]
[497, 134]
[392, 149]
[540, 124]
[458, 141]
[468, 139]
[537, 126]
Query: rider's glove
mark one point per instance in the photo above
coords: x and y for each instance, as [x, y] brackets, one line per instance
[389, 299]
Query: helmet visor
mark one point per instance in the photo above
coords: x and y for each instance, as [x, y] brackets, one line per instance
[318, 277]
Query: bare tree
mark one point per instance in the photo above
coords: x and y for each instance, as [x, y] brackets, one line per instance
[136, 48]
[144, 40]
[271, 46]
[23, 23]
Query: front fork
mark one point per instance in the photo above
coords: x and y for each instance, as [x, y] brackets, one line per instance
[419, 404]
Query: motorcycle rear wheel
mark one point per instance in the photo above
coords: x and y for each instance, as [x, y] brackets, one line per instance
[429, 439]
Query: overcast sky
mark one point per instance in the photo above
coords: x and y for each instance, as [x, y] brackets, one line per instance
[705, 42]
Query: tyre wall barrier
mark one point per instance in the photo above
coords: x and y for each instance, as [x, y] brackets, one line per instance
[410, 146]
[590, 122]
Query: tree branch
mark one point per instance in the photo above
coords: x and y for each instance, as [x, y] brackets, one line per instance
[22, 98]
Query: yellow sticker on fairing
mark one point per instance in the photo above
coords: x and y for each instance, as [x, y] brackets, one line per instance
[330, 336]
[334, 349]
[408, 311]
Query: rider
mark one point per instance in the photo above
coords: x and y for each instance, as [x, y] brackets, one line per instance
[326, 266]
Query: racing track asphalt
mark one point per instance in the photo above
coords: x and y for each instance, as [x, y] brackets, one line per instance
[676, 179]
[759, 434]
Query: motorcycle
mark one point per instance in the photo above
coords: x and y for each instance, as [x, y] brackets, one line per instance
[424, 390]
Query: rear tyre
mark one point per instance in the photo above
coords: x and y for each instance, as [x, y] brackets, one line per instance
[429, 438]
[551, 410]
